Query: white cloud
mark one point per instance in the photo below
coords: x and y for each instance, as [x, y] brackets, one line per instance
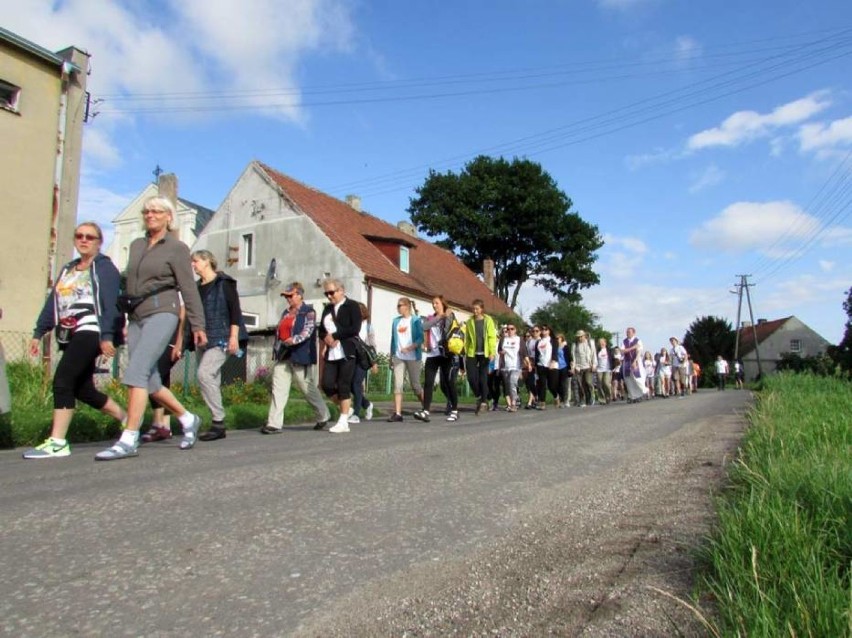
[825, 265]
[746, 126]
[711, 176]
[657, 156]
[687, 49]
[621, 256]
[754, 226]
[148, 50]
[821, 136]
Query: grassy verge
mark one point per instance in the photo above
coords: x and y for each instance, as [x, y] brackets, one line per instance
[780, 561]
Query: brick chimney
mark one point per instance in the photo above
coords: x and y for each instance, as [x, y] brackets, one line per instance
[354, 201]
[167, 186]
[488, 273]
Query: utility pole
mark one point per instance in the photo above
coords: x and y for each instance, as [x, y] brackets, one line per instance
[740, 286]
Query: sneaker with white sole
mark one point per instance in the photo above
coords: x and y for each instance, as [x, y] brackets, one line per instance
[50, 449]
[118, 451]
[354, 418]
[368, 415]
[190, 434]
[340, 427]
[422, 415]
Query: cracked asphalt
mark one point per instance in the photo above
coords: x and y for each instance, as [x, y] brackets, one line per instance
[564, 522]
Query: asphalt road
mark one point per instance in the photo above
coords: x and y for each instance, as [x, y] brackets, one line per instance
[261, 535]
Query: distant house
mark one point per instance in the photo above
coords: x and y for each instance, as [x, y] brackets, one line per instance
[191, 220]
[272, 229]
[788, 335]
[42, 107]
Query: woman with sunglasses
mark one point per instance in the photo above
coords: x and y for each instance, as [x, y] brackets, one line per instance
[339, 325]
[158, 270]
[82, 305]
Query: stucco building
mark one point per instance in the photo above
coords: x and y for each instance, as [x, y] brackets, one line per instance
[774, 338]
[42, 107]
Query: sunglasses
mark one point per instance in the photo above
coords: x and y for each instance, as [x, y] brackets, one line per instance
[330, 293]
[86, 236]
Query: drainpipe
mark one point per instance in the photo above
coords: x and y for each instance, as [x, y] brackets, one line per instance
[66, 70]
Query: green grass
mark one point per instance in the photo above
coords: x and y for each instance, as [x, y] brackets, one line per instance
[780, 561]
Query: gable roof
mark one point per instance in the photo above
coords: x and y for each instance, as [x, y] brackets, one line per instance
[432, 269]
[764, 330]
[202, 215]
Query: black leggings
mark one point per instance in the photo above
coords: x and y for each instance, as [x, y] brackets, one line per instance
[337, 378]
[442, 365]
[74, 377]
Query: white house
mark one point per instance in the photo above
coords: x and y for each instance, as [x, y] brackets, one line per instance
[774, 338]
[272, 229]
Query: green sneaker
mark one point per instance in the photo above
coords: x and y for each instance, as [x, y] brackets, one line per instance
[48, 450]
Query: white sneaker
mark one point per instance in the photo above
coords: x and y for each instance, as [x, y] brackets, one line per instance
[368, 415]
[353, 418]
[340, 427]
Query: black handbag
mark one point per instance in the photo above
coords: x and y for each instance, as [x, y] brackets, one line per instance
[365, 354]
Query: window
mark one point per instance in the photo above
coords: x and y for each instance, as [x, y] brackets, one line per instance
[403, 258]
[9, 94]
[248, 250]
[795, 345]
[251, 320]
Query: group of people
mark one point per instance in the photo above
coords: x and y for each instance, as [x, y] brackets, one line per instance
[91, 316]
[164, 310]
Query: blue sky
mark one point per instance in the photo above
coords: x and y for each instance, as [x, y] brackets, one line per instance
[704, 139]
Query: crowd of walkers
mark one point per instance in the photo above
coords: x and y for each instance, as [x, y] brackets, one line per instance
[164, 311]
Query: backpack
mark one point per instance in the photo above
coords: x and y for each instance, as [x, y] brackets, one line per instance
[454, 339]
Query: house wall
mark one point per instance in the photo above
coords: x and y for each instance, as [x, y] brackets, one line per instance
[27, 177]
[301, 251]
[778, 343]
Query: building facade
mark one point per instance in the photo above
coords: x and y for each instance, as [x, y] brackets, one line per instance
[775, 338]
[42, 107]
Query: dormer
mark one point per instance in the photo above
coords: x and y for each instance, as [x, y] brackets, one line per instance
[394, 248]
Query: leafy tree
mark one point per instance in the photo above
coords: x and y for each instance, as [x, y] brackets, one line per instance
[512, 213]
[820, 364]
[567, 317]
[842, 352]
[708, 337]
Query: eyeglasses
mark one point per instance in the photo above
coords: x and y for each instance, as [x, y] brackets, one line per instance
[330, 293]
[86, 236]
[155, 211]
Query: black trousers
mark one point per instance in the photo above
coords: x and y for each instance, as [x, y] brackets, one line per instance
[443, 366]
[477, 375]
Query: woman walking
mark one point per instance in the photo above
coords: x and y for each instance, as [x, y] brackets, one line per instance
[359, 400]
[226, 335]
[82, 305]
[158, 267]
[436, 328]
[405, 350]
[339, 325]
[480, 347]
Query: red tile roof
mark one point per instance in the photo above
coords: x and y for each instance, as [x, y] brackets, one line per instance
[432, 269]
[764, 331]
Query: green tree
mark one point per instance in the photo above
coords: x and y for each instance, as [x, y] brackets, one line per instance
[514, 214]
[842, 352]
[567, 317]
[706, 338]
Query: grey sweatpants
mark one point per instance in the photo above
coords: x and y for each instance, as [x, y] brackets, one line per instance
[210, 380]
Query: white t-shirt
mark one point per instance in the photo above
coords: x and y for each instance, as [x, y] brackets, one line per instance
[511, 353]
[678, 356]
[604, 364]
[75, 297]
[403, 339]
[336, 353]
